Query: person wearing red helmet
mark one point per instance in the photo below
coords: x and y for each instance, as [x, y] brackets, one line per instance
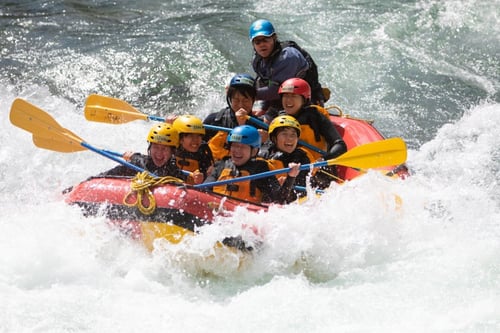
[274, 62]
[316, 129]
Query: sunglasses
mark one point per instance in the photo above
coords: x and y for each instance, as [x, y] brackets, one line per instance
[257, 41]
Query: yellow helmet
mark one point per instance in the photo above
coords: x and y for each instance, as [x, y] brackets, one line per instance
[189, 124]
[284, 121]
[163, 134]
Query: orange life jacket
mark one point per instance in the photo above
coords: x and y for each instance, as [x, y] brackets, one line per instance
[187, 164]
[217, 145]
[242, 190]
[307, 135]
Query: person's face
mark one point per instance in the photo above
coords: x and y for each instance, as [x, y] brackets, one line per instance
[240, 153]
[287, 139]
[263, 45]
[191, 142]
[240, 101]
[160, 154]
[292, 103]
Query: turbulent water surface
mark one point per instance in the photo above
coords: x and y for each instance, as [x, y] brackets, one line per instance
[353, 260]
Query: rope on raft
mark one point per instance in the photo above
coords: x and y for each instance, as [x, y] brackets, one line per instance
[141, 186]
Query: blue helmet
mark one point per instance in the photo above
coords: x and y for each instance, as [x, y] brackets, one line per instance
[261, 28]
[242, 80]
[245, 134]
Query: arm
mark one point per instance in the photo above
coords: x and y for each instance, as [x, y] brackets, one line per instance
[121, 170]
[214, 175]
[271, 188]
[336, 145]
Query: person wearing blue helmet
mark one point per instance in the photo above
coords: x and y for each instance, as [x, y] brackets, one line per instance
[244, 144]
[275, 62]
[240, 96]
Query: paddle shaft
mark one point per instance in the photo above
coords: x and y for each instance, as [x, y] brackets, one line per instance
[116, 111]
[261, 175]
[210, 127]
[370, 155]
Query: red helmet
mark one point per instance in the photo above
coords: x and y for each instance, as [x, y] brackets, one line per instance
[296, 86]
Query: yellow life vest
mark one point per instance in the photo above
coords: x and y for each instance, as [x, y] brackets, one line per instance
[241, 190]
[275, 164]
[217, 145]
[307, 135]
[187, 164]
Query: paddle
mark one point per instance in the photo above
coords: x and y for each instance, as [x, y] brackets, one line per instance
[116, 111]
[265, 126]
[54, 143]
[371, 155]
[48, 134]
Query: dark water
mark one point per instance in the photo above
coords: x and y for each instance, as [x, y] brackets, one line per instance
[412, 66]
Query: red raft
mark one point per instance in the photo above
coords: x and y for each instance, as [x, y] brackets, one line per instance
[173, 210]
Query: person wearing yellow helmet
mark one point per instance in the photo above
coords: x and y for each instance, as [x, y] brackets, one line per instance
[284, 133]
[163, 141]
[193, 155]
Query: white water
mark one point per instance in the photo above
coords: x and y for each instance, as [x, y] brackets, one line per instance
[348, 261]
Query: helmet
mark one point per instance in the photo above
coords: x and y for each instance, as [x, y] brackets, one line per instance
[242, 80]
[189, 124]
[284, 121]
[163, 134]
[245, 134]
[296, 86]
[261, 28]
[244, 84]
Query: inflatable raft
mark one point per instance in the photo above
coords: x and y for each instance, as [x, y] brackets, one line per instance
[172, 210]
[168, 211]
[150, 209]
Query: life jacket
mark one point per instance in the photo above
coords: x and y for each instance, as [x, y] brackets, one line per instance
[217, 145]
[322, 110]
[310, 136]
[311, 75]
[309, 120]
[245, 190]
[201, 160]
[280, 160]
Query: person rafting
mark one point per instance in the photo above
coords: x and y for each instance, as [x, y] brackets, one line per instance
[316, 128]
[193, 155]
[284, 133]
[240, 96]
[274, 62]
[162, 140]
[244, 142]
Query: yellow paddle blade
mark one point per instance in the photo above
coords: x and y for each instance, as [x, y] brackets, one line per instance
[110, 110]
[30, 118]
[47, 133]
[374, 155]
[63, 144]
